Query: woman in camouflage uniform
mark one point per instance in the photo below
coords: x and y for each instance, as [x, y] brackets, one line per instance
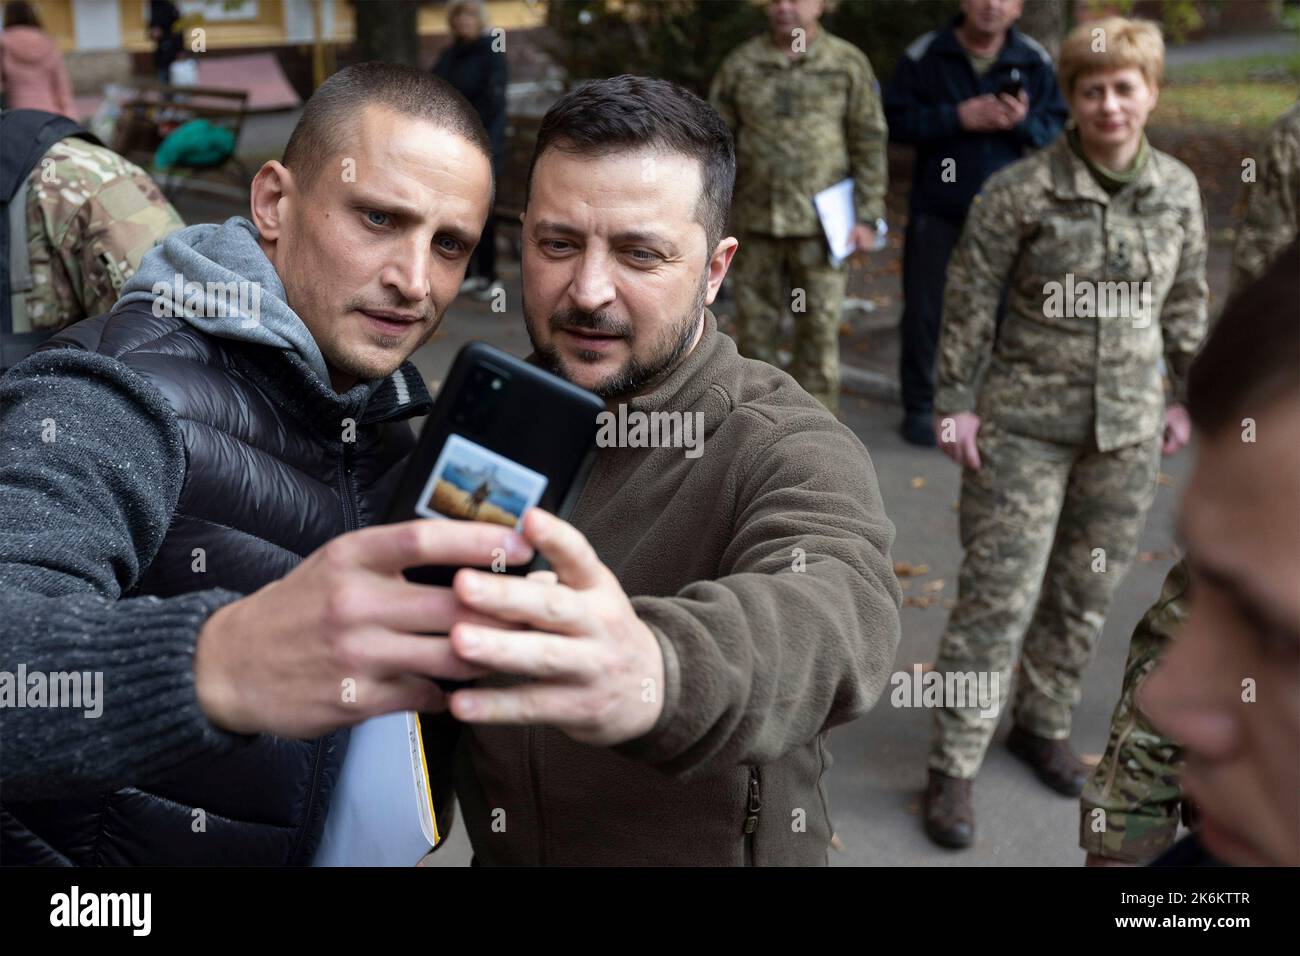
[1099, 241]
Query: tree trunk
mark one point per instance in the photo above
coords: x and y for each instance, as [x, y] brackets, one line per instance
[1046, 21]
[387, 30]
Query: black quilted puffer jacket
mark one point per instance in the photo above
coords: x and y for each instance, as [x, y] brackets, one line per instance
[268, 478]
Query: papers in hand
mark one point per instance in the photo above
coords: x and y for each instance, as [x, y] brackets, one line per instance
[381, 813]
[834, 206]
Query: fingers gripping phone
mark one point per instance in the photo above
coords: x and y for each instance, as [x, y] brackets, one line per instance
[504, 436]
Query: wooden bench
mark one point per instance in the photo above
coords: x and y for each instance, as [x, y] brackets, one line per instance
[156, 109]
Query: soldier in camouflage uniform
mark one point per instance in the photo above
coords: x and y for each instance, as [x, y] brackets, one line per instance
[1105, 275]
[1130, 807]
[1272, 203]
[91, 217]
[805, 109]
[1131, 803]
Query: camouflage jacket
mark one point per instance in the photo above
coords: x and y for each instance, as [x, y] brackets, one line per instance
[801, 125]
[1098, 287]
[1130, 807]
[1272, 216]
[91, 217]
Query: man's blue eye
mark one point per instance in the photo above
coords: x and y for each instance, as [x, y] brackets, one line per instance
[373, 213]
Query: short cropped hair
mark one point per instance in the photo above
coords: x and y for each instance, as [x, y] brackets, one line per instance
[330, 115]
[1252, 356]
[635, 112]
[1120, 43]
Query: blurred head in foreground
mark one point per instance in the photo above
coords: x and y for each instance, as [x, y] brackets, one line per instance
[1229, 690]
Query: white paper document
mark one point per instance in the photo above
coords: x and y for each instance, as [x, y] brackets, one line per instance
[381, 813]
[834, 206]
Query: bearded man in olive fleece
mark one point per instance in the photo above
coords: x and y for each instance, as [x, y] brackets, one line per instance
[712, 614]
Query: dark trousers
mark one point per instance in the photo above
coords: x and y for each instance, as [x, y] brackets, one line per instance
[927, 247]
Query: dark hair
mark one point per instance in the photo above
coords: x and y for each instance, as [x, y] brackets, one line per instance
[1252, 356]
[629, 112]
[20, 14]
[327, 119]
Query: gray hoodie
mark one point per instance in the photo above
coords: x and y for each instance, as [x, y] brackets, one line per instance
[219, 278]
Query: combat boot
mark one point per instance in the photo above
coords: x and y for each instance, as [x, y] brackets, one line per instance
[949, 816]
[1052, 761]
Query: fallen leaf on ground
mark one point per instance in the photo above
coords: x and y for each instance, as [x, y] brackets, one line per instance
[1163, 479]
[918, 482]
[904, 570]
[931, 586]
[910, 601]
[837, 843]
[1090, 760]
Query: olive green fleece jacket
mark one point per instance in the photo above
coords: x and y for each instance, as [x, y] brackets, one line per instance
[762, 566]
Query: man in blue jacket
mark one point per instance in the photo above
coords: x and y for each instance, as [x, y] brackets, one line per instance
[972, 97]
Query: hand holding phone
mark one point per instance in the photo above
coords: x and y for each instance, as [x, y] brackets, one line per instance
[504, 436]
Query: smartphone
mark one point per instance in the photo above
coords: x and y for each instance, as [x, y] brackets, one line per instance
[1012, 85]
[504, 436]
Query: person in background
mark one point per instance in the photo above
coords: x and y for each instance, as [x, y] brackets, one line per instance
[1272, 217]
[1228, 689]
[88, 215]
[804, 108]
[1100, 243]
[1133, 802]
[479, 72]
[163, 15]
[971, 97]
[32, 74]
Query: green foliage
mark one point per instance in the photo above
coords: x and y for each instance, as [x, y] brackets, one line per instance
[1180, 18]
[883, 30]
[678, 40]
[686, 40]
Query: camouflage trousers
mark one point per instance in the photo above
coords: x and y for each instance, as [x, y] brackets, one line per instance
[1049, 531]
[766, 268]
[1132, 803]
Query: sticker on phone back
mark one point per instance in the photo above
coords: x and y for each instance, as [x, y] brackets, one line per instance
[472, 483]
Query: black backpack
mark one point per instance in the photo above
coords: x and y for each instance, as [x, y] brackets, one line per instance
[25, 135]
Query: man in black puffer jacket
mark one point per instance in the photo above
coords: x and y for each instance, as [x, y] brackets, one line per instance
[245, 403]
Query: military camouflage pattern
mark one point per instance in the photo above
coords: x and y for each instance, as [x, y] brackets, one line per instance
[1272, 216]
[91, 217]
[1043, 224]
[1136, 783]
[801, 125]
[762, 299]
[1031, 520]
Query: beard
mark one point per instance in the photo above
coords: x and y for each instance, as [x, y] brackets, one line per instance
[636, 373]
